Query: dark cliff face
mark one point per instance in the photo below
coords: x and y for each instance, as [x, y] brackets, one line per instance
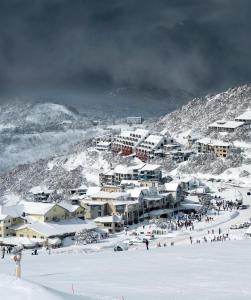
[161, 50]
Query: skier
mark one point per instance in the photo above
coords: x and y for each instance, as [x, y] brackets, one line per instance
[3, 252]
[147, 244]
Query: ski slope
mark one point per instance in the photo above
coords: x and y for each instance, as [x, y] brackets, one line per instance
[219, 270]
[17, 289]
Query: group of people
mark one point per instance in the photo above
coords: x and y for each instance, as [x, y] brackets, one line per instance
[227, 205]
[4, 250]
[213, 236]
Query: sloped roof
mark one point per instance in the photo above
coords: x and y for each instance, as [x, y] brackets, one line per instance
[59, 228]
[37, 208]
[171, 186]
[226, 124]
[245, 116]
[93, 190]
[109, 219]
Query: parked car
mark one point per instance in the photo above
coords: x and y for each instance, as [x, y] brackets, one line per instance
[120, 247]
[246, 224]
[236, 226]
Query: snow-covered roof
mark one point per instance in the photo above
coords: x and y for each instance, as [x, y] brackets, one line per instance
[37, 208]
[112, 195]
[142, 132]
[109, 219]
[211, 142]
[68, 206]
[152, 198]
[59, 228]
[40, 189]
[150, 167]
[155, 139]
[14, 240]
[226, 124]
[92, 190]
[135, 192]
[245, 116]
[130, 182]
[110, 173]
[3, 217]
[104, 144]
[13, 211]
[171, 186]
[123, 169]
[126, 133]
[116, 202]
[192, 199]
[93, 202]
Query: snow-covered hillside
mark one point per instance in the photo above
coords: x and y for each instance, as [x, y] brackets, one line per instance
[31, 131]
[195, 116]
[61, 172]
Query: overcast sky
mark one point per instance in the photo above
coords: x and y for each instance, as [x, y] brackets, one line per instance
[73, 46]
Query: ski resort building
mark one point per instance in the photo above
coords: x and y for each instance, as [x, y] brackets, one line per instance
[146, 149]
[40, 194]
[219, 148]
[134, 120]
[9, 217]
[134, 171]
[181, 155]
[125, 143]
[94, 209]
[245, 118]
[225, 126]
[103, 146]
[46, 233]
[112, 223]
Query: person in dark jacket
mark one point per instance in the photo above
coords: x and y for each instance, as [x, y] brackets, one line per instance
[147, 244]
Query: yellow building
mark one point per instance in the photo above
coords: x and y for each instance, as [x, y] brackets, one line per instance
[219, 148]
[48, 212]
[9, 216]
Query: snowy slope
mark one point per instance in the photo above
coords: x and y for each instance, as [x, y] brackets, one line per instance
[207, 271]
[17, 289]
[195, 116]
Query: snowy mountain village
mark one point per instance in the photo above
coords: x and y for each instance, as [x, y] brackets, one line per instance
[137, 199]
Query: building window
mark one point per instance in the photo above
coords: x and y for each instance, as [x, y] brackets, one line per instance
[21, 235]
[34, 236]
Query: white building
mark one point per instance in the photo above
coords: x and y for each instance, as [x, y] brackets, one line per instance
[127, 141]
[245, 117]
[225, 126]
[103, 146]
[134, 120]
[146, 148]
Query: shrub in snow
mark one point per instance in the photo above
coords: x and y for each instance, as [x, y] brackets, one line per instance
[85, 237]
[244, 173]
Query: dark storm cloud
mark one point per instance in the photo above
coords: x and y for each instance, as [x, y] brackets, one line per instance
[192, 45]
